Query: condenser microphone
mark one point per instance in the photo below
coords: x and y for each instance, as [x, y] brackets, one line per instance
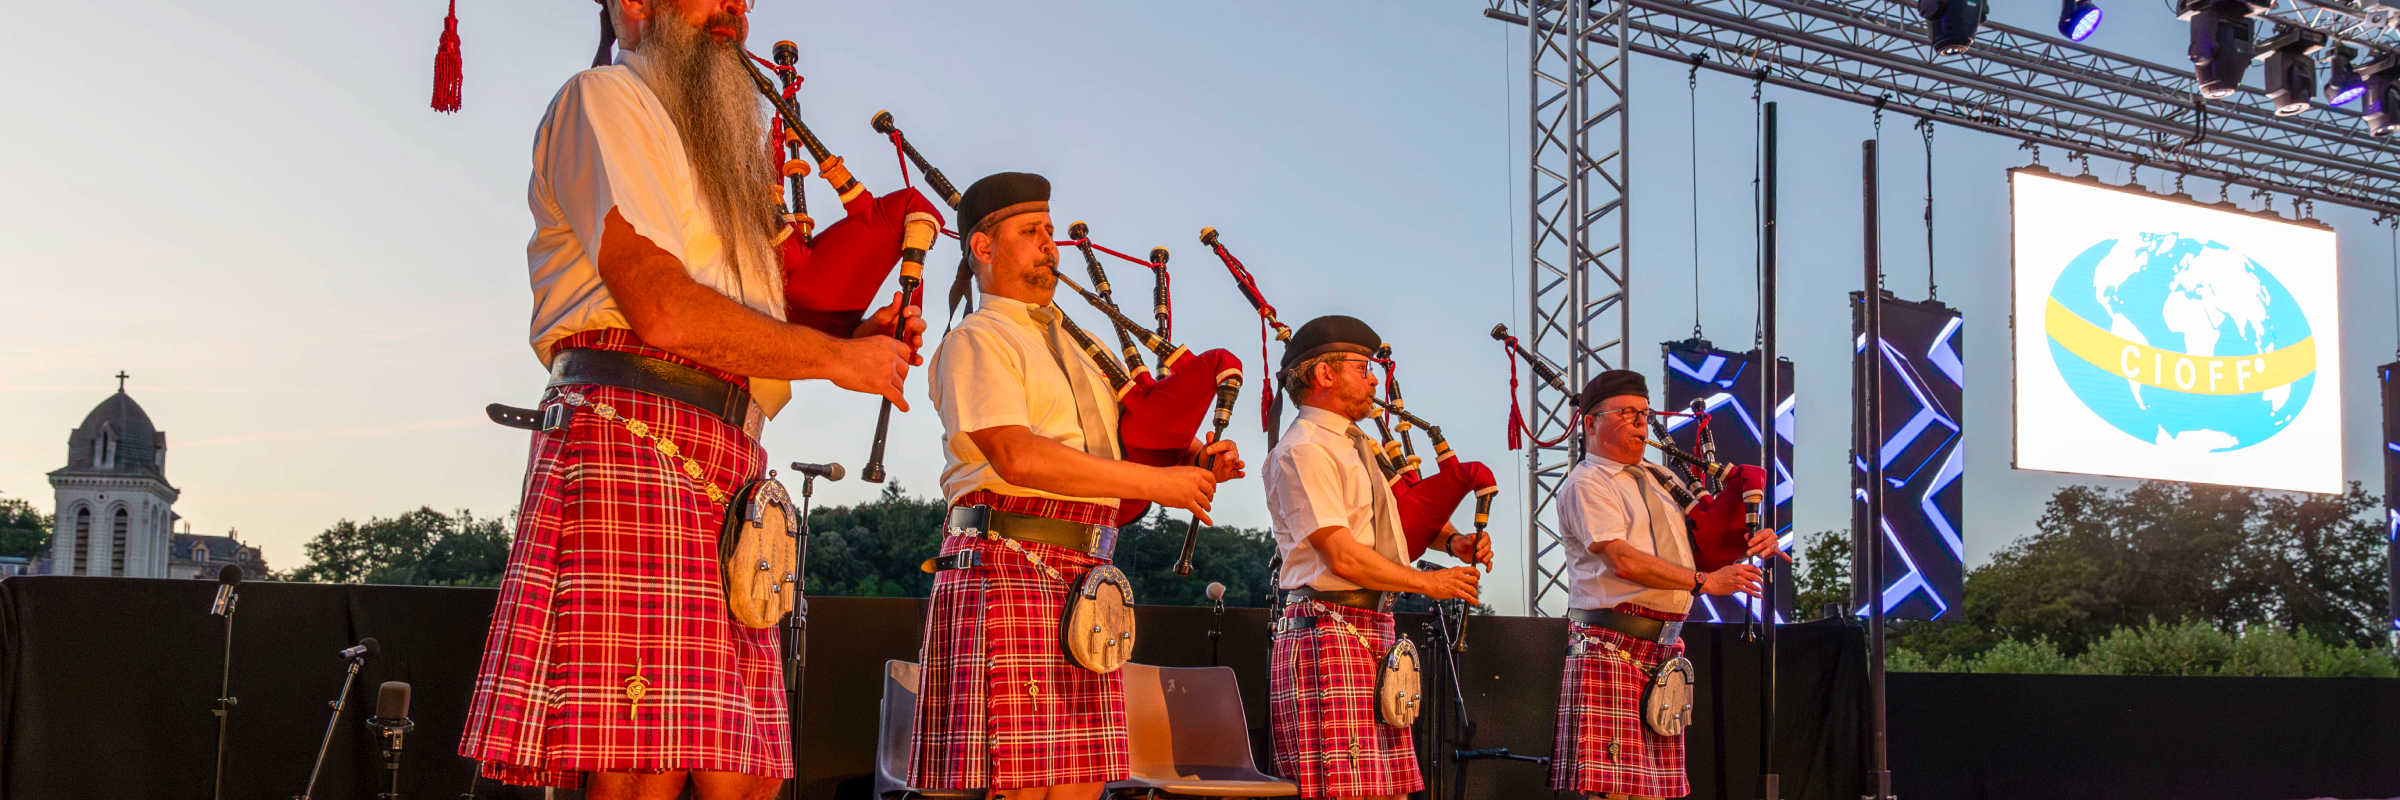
[1216, 592]
[365, 649]
[227, 577]
[391, 711]
[831, 472]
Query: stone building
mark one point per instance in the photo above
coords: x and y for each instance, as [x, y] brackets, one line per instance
[115, 509]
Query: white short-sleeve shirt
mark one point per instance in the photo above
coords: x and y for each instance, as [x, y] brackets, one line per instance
[1601, 500]
[995, 369]
[605, 143]
[1316, 480]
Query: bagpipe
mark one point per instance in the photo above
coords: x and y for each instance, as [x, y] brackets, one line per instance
[1266, 319]
[832, 276]
[1722, 500]
[1159, 410]
[1425, 504]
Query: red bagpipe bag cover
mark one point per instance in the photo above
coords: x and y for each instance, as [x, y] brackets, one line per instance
[1427, 503]
[1720, 529]
[832, 278]
[1158, 417]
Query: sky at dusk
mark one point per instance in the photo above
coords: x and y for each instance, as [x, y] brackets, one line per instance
[316, 282]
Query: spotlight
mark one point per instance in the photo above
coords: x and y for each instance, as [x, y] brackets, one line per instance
[1952, 23]
[2382, 103]
[2291, 68]
[2222, 31]
[2077, 19]
[2342, 82]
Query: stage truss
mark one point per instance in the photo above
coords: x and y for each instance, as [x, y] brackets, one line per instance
[2038, 89]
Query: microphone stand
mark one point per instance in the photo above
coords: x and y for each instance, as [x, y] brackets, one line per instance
[225, 698]
[1216, 631]
[339, 700]
[1463, 737]
[391, 730]
[795, 636]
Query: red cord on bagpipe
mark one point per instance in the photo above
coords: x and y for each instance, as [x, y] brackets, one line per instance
[1517, 430]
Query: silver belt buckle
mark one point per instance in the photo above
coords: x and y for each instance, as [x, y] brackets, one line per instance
[1669, 633]
[1104, 542]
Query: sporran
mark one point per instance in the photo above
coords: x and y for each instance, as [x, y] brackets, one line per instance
[1095, 631]
[1667, 698]
[1400, 685]
[755, 553]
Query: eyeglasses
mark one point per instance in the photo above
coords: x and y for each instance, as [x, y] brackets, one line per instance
[1633, 415]
[1365, 366]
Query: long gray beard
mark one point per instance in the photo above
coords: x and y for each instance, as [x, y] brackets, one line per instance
[716, 108]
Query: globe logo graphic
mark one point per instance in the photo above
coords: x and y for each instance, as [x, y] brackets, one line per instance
[2180, 342]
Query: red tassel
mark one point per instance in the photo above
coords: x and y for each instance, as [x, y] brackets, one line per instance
[448, 69]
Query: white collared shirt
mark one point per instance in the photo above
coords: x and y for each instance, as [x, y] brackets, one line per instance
[994, 370]
[1600, 501]
[1316, 480]
[606, 143]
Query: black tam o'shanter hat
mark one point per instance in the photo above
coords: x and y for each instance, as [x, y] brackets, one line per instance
[989, 202]
[1611, 384]
[1332, 333]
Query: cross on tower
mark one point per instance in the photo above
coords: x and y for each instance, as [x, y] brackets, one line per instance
[121, 381]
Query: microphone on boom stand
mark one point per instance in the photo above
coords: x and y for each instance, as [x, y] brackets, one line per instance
[391, 720]
[228, 577]
[1216, 625]
[795, 624]
[357, 656]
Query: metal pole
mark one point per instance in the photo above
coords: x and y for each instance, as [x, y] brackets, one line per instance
[326, 744]
[795, 638]
[1770, 393]
[1879, 776]
[225, 699]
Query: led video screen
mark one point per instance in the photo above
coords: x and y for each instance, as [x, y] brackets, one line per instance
[2161, 339]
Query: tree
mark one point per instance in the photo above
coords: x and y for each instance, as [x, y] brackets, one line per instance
[418, 547]
[1823, 574]
[24, 530]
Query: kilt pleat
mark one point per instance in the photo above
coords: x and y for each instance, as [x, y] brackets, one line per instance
[999, 706]
[612, 583]
[1601, 745]
[1329, 740]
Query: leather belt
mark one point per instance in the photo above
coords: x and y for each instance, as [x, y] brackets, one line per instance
[722, 399]
[1095, 540]
[1634, 625]
[1361, 599]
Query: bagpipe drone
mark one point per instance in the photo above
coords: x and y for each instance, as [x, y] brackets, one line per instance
[832, 276]
[1160, 410]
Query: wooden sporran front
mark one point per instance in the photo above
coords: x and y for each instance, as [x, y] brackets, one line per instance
[1400, 685]
[755, 553]
[1667, 698]
[1096, 629]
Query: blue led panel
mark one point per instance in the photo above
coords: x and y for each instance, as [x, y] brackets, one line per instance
[1924, 563]
[1728, 383]
[2391, 485]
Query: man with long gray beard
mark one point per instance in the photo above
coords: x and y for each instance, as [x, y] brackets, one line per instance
[613, 663]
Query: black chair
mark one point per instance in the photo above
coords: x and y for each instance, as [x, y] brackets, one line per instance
[1190, 737]
[897, 720]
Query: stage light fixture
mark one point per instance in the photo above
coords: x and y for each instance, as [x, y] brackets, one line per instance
[2078, 18]
[1952, 23]
[2382, 105]
[2342, 81]
[2291, 60]
[2222, 41]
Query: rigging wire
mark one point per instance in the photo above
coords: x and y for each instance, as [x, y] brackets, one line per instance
[1692, 107]
[1925, 126]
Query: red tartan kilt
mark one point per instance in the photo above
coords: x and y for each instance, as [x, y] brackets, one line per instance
[613, 574]
[1321, 701]
[1601, 745]
[1032, 718]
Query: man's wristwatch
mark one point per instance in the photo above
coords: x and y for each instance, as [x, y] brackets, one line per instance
[1699, 579]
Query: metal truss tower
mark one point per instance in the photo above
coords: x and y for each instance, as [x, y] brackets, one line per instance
[2039, 89]
[1577, 286]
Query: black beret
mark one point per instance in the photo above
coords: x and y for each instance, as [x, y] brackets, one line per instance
[995, 198]
[1329, 334]
[998, 197]
[1610, 384]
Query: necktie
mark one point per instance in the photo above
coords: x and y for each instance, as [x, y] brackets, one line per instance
[1664, 542]
[1097, 439]
[1387, 517]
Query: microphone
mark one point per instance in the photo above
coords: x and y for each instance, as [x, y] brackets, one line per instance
[831, 472]
[391, 711]
[367, 648]
[1216, 592]
[227, 577]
